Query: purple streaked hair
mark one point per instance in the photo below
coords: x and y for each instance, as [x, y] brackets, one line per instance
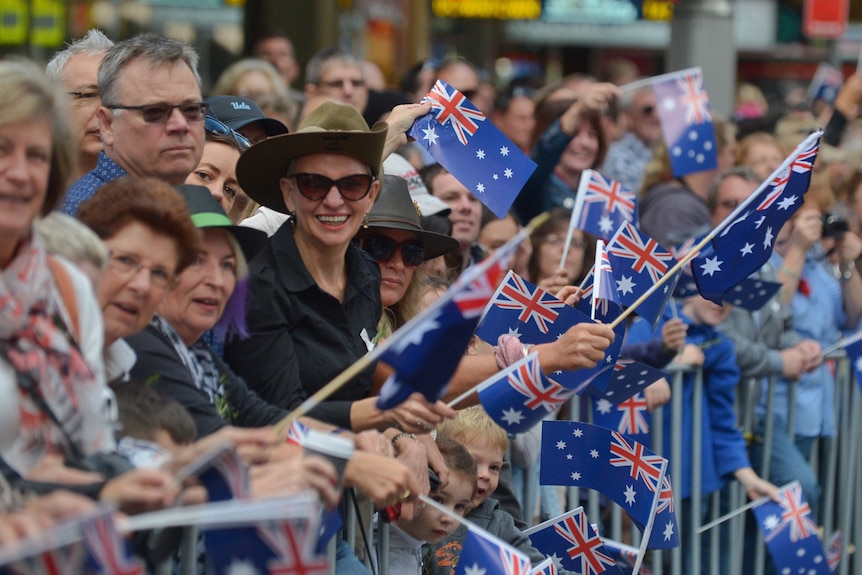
[232, 321]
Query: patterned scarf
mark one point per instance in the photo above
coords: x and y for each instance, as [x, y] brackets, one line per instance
[36, 342]
[197, 360]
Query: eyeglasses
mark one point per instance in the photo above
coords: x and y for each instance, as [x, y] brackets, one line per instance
[129, 265]
[555, 240]
[161, 113]
[383, 248]
[333, 84]
[470, 94]
[218, 128]
[315, 186]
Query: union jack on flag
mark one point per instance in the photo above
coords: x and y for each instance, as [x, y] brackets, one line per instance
[65, 560]
[602, 205]
[108, 549]
[449, 105]
[520, 396]
[665, 496]
[790, 534]
[226, 478]
[646, 253]
[297, 432]
[572, 543]
[293, 551]
[535, 303]
[694, 98]
[604, 290]
[632, 421]
[481, 552]
[646, 468]
[833, 550]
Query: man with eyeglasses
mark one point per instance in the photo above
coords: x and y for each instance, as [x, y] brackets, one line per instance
[628, 157]
[75, 68]
[336, 73]
[151, 118]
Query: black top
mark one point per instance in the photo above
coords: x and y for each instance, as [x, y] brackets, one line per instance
[302, 337]
[159, 365]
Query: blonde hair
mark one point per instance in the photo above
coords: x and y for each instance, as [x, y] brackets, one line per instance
[70, 238]
[473, 426]
[27, 94]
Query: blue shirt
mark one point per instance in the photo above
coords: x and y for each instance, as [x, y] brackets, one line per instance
[627, 160]
[819, 315]
[106, 170]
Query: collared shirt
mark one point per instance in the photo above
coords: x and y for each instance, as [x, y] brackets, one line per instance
[301, 336]
[626, 160]
[106, 170]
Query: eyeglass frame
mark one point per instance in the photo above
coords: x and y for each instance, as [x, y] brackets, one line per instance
[130, 270]
[226, 131]
[295, 177]
[396, 247]
[203, 107]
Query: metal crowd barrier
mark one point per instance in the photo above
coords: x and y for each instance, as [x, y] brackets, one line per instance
[836, 461]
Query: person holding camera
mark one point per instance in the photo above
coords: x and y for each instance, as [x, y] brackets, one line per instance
[815, 262]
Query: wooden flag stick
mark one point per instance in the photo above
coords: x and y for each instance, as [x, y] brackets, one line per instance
[366, 360]
[645, 537]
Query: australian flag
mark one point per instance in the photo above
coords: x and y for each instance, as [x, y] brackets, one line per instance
[790, 533]
[584, 455]
[226, 477]
[546, 567]
[520, 396]
[826, 83]
[630, 417]
[751, 294]
[629, 377]
[484, 553]
[624, 556]
[467, 144]
[426, 351]
[638, 262]
[744, 241]
[572, 544]
[686, 121]
[604, 289]
[602, 205]
[269, 547]
[297, 432]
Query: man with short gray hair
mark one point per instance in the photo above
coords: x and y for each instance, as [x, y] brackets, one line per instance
[75, 69]
[151, 118]
[336, 73]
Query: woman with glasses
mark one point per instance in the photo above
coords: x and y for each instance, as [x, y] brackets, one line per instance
[216, 170]
[549, 242]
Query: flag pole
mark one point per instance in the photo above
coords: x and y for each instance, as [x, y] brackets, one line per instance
[842, 343]
[366, 360]
[576, 215]
[716, 230]
[645, 536]
[739, 510]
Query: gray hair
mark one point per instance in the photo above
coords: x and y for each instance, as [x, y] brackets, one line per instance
[319, 61]
[743, 172]
[93, 44]
[627, 97]
[156, 50]
[229, 78]
[68, 237]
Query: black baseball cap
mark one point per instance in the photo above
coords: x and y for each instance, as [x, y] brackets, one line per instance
[237, 112]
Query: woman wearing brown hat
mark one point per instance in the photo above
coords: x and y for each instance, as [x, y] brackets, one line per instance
[316, 302]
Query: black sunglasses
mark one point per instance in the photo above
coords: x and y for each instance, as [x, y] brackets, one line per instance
[218, 128]
[382, 249]
[315, 186]
[160, 113]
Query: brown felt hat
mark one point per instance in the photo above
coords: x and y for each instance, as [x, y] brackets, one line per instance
[330, 129]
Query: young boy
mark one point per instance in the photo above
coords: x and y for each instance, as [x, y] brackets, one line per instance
[487, 443]
[408, 537]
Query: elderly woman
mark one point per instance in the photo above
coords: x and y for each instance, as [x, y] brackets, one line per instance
[317, 296]
[51, 373]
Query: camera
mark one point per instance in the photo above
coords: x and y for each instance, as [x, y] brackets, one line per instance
[834, 225]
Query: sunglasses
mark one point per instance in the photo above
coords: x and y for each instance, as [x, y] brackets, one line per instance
[161, 113]
[218, 128]
[315, 186]
[382, 249]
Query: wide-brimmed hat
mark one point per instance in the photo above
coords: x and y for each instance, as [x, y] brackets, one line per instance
[396, 210]
[208, 213]
[237, 112]
[330, 129]
[428, 205]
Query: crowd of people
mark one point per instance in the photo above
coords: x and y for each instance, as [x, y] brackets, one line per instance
[179, 271]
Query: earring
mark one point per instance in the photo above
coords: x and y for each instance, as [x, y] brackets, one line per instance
[365, 221]
[291, 219]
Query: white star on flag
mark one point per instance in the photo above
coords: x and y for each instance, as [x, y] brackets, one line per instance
[767, 239]
[512, 416]
[594, 453]
[496, 177]
[787, 203]
[514, 332]
[746, 249]
[711, 266]
[569, 456]
[474, 570]
[576, 476]
[480, 187]
[605, 224]
[504, 151]
[430, 135]
[415, 336]
[630, 494]
[604, 406]
[669, 104]
[771, 522]
[625, 285]
[508, 172]
[561, 445]
[668, 531]
[578, 432]
[480, 154]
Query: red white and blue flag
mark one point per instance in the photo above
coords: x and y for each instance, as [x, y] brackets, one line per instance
[583, 455]
[790, 533]
[473, 150]
[226, 477]
[744, 241]
[109, 552]
[686, 121]
[627, 381]
[572, 544]
[520, 396]
[602, 205]
[531, 302]
[483, 553]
